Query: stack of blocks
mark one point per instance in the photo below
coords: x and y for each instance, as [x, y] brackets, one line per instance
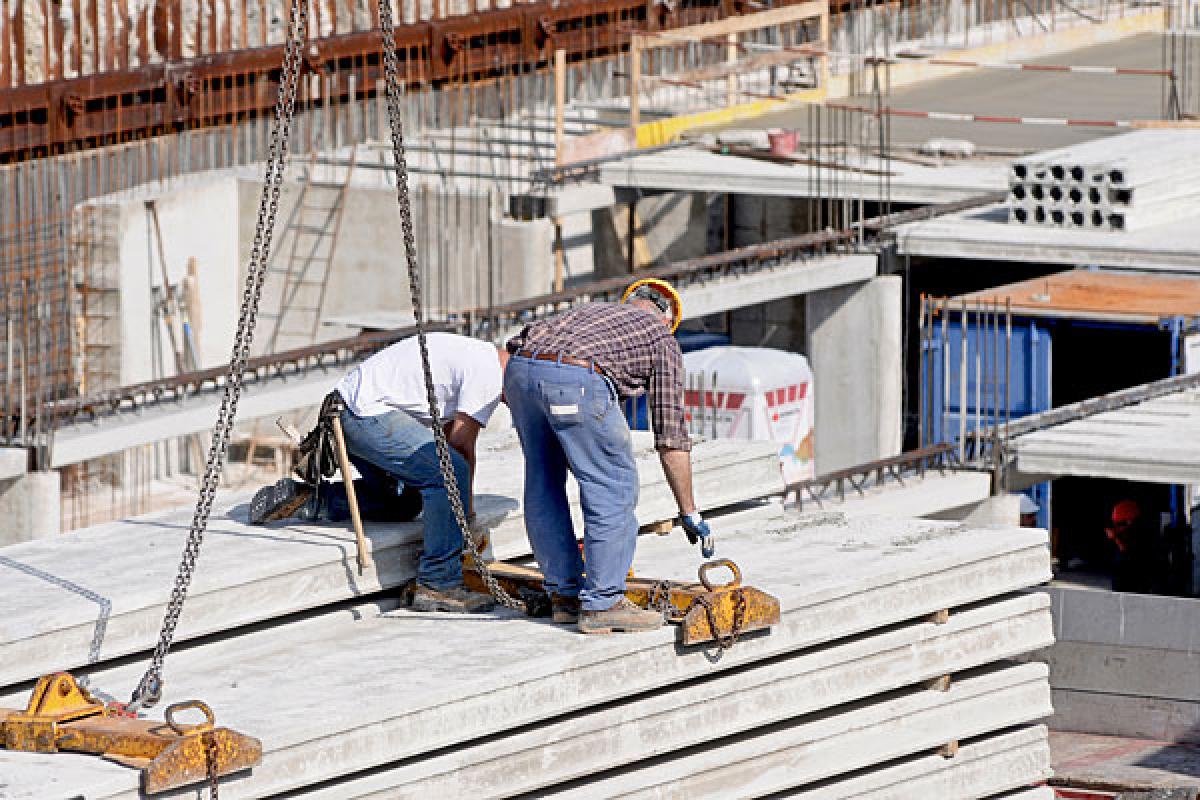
[1115, 183]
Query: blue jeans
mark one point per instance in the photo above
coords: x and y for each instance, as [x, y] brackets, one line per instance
[395, 448]
[568, 418]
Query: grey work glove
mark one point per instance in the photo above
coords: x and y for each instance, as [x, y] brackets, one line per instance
[697, 530]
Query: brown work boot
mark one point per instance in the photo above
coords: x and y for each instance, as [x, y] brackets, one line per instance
[564, 609]
[459, 599]
[279, 500]
[624, 617]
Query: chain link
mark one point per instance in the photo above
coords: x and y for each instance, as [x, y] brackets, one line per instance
[149, 690]
[392, 71]
[210, 753]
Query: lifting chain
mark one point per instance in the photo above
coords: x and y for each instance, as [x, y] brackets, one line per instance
[392, 71]
[149, 690]
[210, 755]
[724, 640]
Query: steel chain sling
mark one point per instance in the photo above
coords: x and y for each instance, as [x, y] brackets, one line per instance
[392, 70]
[149, 690]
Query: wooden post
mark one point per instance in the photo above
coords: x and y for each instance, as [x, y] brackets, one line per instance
[731, 57]
[560, 102]
[635, 79]
[360, 538]
[5, 47]
[823, 33]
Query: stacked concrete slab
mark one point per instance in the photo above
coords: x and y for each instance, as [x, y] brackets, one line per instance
[890, 674]
[1117, 183]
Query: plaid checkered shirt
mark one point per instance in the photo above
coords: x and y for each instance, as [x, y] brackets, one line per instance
[631, 347]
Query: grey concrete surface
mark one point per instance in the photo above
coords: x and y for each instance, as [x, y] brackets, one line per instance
[833, 581]
[854, 336]
[1126, 764]
[983, 767]
[30, 507]
[1025, 94]
[790, 280]
[69, 601]
[1125, 664]
[690, 715]
[936, 496]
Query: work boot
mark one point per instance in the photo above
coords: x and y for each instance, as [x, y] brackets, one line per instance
[459, 599]
[624, 617]
[564, 609]
[278, 501]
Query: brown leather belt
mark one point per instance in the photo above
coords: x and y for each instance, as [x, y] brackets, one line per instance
[556, 357]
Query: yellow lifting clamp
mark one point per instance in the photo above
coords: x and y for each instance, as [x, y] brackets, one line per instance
[64, 716]
[704, 611]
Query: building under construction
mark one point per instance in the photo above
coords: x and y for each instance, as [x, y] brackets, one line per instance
[936, 268]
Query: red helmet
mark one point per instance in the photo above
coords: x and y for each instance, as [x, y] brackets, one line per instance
[1126, 511]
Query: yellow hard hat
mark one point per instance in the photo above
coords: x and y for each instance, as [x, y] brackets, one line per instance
[664, 290]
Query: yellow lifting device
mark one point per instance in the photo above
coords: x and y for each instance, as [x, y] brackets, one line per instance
[704, 611]
[63, 716]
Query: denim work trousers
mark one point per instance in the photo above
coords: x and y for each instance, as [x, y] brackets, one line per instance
[397, 445]
[567, 417]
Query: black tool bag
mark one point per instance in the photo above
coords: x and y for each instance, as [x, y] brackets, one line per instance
[318, 458]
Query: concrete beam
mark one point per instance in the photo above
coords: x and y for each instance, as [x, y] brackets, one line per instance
[195, 414]
[796, 278]
[985, 235]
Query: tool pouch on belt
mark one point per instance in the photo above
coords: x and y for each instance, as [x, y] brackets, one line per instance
[317, 458]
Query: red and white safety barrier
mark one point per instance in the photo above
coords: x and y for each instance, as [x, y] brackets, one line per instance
[950, 116]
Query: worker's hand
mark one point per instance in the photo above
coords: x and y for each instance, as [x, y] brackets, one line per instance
[697, 530]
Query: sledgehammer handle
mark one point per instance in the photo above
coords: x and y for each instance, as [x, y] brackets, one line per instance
[364, 557]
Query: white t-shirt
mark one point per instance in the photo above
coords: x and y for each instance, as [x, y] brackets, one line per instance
[466, 375]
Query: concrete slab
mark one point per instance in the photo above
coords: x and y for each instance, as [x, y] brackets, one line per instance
[70, 601]
[844, 739]
[691, 714]
[1149, 441]
[983, 767]
[833, 581]
[698, 170]
[985, 235]
[916, 497]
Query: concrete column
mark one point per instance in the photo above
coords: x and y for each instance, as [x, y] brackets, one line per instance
[854, 347]
[29, 506]
[526, 259]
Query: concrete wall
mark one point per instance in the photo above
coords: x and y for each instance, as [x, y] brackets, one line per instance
[195, 223]
[29, 506]
[672, 226]
[854, 347]
[1125, 664]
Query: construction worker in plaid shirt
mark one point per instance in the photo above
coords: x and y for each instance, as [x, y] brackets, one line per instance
[564, 383]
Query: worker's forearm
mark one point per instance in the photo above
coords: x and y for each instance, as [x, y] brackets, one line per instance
[677, 466]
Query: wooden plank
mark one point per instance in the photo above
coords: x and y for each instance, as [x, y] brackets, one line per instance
[175, 52]
[18, 27]
[94, 23]
[742, 24]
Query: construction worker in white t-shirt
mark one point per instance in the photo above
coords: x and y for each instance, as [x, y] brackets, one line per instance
[384, 414]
